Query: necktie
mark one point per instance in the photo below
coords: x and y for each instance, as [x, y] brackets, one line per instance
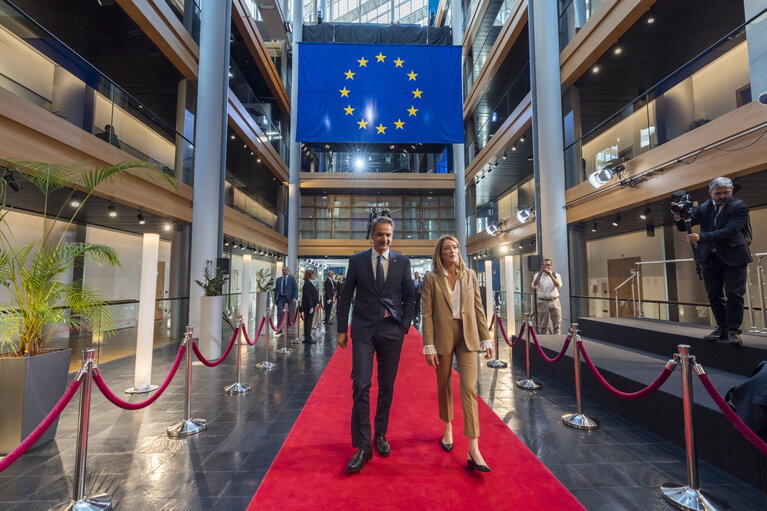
[282, 283]
[379, 275]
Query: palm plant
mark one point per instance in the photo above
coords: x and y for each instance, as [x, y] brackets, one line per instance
[264, 280]
[33, 273]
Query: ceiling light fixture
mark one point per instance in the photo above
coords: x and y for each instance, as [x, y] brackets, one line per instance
[618, 50]
[140, 218]
[645, 213]
[595, 69]
[617, 220]
[651, 20]
[504, 156]
[526, 214]
[594, 227]
[75, 201]
[167, 225]
[111, 209]
[494, 227]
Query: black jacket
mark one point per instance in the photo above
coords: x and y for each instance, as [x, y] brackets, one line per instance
[397, 296]
[310, 297]
[725, 232]
[329, 289]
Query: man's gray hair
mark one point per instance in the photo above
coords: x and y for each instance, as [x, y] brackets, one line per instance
[380, 220]
[720, 182]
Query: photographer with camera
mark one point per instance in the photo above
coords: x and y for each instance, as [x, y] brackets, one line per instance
[547, 284]
[722, 251]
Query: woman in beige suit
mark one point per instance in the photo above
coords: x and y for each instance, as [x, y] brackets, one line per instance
[454, 323]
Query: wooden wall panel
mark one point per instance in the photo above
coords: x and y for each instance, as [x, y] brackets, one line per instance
[157, 20]
[249, 230]
[341, 180]
[483, 241]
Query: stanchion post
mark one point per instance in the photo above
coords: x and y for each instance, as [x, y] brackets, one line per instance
[497, 363]
[79, 500]
[238, 387]
[750, 301]
[188, 426]
[760, 282]
[266, 365]
[689, 497]
[577, 420]
[297, 325]
[285, 350]
[528, 383]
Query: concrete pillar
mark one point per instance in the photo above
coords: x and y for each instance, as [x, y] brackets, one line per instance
[294, 197]
[142, 378]
[459, 164]
[488, 289]
[211, 127]
[510, 324]
[756, 37]
[245, 289]
[551, 216]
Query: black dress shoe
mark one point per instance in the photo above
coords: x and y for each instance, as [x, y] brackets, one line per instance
[719, 334]
[734, 338]
[382, 446]
[359, 459]
[471, 465]
[310, 341]
[446, 447]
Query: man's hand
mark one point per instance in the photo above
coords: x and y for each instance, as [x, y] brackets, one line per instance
[432, 360]
[341, 340]
[693, 238]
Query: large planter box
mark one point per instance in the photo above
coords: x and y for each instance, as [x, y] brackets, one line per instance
[211, 321]
[29, 389]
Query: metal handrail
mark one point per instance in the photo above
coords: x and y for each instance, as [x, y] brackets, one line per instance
[760, 283]
[631, 279]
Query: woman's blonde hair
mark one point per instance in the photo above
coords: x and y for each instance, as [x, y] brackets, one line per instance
[308, 275]
[439, 269]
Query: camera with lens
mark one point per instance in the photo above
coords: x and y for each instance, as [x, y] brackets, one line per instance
[681, 204]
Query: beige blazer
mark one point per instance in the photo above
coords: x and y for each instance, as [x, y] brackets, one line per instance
[437, 315]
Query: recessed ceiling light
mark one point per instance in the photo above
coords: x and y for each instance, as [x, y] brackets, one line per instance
[618, 50]
[595, 69]
[651, 20]
[232, 137]
[522, 139]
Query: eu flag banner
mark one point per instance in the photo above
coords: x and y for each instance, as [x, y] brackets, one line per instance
[379, 93]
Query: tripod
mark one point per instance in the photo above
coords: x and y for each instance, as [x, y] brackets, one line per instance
[688, 224]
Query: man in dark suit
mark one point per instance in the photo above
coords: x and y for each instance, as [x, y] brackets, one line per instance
[285, 293]
[383, 310]
[329, 291]
[723, 254]
[418, 284]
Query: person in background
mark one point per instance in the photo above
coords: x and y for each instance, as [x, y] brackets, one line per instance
[418, 284]
[109, 135]
[547, 283]
[454, 324]
[310, 297]
[285, 293]
[329, 291]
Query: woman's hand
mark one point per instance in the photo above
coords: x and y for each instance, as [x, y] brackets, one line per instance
[432, 360]
[489, 353]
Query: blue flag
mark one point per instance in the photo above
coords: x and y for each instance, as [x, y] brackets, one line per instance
[379, 93]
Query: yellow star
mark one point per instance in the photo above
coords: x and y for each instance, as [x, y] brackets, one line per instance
[381, 129]
[412, 110]
[363, 62]
[363, 124]
[350, 75]
[398, 62]
[399, 124]
[349, 110]
[412, 75]
[416, 93]
[344, 92]
[380, 57]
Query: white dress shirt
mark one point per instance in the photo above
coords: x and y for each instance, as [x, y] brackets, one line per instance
[546, 287]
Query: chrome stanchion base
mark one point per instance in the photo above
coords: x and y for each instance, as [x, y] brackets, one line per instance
[237, 388]
[684, 497]
[528, 385]
[297, 340]
[580, 421]
[147, 389]
[187, 428]
[497, 364]
[285, 351]
[265, 366]
[102, 501]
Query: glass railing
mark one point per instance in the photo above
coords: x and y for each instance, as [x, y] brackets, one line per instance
[250, 204]
[712, 84]
[380, 158]
[480, 48]
[573, 16]
[468, 9]
[510, 99]
[42, 70]
[482, 218]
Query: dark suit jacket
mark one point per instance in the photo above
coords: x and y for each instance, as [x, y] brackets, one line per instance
[291, 288]
[329, 290]
[725, 232]
[310, 297]
[339, 287]
[397, 296]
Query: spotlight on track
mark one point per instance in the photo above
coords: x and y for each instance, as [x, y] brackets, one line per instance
[594, 227]
[75, 201]
[494, 227]
[140, 218]
[763, 98]
[111, 210]
[526, 214]
[617, 220]
[645, 213]
[600, 177]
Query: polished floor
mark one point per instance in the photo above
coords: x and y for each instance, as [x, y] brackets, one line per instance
[618, 467]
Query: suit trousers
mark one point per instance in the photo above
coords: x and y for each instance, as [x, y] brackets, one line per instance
[467, 371]
[725, 286]
[386, 345]
[549, 309]
[328, 311]
[308, 322]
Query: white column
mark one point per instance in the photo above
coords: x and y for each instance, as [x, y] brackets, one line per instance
[146, 304]
[756, 37]
[211, 119]
[550, 213]
[459, 163]
[245, 296]
[489, 289]
[510, 326]
[294, 197]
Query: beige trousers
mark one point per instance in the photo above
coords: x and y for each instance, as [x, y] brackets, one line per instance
[549, 309]
[467, 371]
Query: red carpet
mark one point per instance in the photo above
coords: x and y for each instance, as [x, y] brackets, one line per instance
[309, 472]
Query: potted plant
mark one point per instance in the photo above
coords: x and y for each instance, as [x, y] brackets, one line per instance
[211, 309]
[264, 286]
[39, 292]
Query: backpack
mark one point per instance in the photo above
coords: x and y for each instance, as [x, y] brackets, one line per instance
[749, 400]
[747, 232]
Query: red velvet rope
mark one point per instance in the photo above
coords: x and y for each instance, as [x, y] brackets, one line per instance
[278, 327]
[295, 318]
[112, 397]
[543, 354]
[492, 322]
[660, 380]
[207, 362]
[728, 412]
[255, 340]
[35, 435]
[505, 338]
